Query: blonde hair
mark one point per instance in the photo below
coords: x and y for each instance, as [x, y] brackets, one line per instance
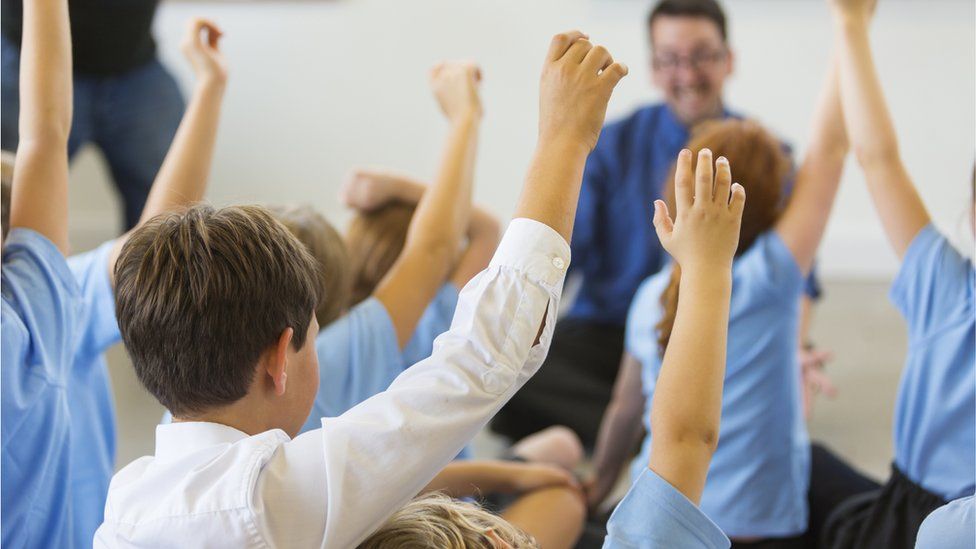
[437, 521]
[329, 250]
[375, 240]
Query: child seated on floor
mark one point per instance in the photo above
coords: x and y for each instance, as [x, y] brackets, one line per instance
[216, 308]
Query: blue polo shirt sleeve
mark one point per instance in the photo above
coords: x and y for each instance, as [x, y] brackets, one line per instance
[933, 283]
[952, 526]
[768, 271]
[655, 515]
[435, 321]
[40, 304]
[359, 356]
[99, 328]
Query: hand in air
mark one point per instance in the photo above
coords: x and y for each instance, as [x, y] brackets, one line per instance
[200, 48]
[577, 81]
[368, 189]
[705, 231]
[455, 85]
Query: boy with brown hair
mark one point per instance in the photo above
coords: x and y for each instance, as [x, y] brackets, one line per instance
[217, 309]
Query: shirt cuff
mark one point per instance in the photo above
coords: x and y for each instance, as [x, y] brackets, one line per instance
[536, 249]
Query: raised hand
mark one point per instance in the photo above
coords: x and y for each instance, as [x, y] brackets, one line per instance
[455, 85]
[860, 8]
[705, 231]
[199, 45]
[367, 189]
[577, 80]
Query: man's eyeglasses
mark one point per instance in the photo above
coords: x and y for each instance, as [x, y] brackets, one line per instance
[696, 61]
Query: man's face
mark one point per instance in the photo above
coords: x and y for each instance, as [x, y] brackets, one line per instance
[689, 63]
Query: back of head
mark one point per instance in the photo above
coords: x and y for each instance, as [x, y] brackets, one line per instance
[759, 164]
[200, 295]
[375, 240]
[329, 250]
[708, 9]
[437, 521]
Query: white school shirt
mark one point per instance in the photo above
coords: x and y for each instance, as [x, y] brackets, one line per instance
[212, 486]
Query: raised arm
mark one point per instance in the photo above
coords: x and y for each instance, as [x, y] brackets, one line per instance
[619, 431]
[577, 80]
[367, 190]
[183, 176]
[474, 478]
[442, 213]
[687, 402]
[803, 222]
[39, 198]
[870, 127]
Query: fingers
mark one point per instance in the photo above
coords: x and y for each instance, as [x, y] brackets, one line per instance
[662, 220]
[703, 176]
[683, 189]
[614, 73]
[561, 43]
[577, 52]
[597, 59]
[738, 200]
[213, 34]
[723, 181]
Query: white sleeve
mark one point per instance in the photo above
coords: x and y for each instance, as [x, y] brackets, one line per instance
[335, 485]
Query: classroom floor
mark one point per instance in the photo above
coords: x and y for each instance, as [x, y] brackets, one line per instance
[855, 320]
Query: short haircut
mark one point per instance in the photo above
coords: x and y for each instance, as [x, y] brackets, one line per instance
[375, 241]
[329, 250]
[201, 294]
[436, 520]
[708, 9]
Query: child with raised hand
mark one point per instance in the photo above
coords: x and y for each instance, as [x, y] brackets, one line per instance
[180, 182]
[935, 412]
[227, 471]
[660, 510]
[40, 300]
[758, 480]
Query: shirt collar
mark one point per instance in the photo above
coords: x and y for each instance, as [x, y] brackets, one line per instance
[178, 439]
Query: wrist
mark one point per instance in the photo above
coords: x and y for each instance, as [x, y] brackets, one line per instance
[851, 21]
[211, 83]
[469, 117]
[706, 277]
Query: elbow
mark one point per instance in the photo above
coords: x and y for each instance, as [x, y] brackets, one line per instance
[703, 438]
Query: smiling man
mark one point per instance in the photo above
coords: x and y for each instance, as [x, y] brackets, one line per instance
[614, 246]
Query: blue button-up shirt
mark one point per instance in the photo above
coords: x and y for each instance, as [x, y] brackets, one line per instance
[614, 245]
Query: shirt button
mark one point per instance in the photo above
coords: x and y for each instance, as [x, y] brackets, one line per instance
[558, 263]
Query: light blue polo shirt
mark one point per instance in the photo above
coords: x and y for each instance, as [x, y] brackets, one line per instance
[359, 355]
[41, 307]
[90, 394]
[952, 526]
[655, 515]
[758, 478]
[935, 413]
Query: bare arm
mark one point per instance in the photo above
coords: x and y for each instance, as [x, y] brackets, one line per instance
[803, 222]
[442, 214]
[687, 403]
[469, 478]
[872, 132]
[182, 178]
[39, 195]
[620, 427]
[368, 190]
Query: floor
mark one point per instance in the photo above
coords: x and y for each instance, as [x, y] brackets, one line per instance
[855, 320]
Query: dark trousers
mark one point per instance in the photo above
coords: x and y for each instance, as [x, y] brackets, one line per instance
[887, 518]
[132, 118]
[572, 388]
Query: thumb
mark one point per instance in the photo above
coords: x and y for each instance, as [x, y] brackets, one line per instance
[663, 224]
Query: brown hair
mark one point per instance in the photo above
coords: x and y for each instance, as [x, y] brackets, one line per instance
[708, 9]
[437, 521]
[329, 250]
[375, 240]
[201, 294]
[760, 165]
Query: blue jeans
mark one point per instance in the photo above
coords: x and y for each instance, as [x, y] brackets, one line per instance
[131, 117]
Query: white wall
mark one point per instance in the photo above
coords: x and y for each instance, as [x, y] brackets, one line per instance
[319, 87]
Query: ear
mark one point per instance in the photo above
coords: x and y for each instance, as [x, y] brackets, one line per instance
[277, 361]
